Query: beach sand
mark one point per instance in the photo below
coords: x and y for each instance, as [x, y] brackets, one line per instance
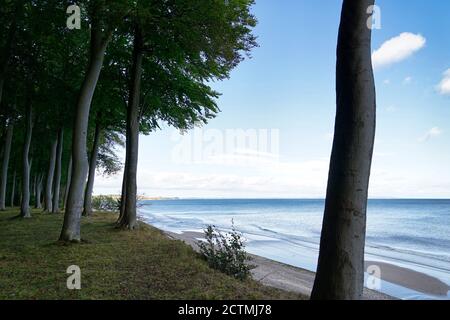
[290, 278]
[410, 279]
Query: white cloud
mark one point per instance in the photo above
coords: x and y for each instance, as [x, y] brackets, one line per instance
[444, 86]
[272, 179]
[432, 133]
[407, 80]
[387, 81]
[397, 49]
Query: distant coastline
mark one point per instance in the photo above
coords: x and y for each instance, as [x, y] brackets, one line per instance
[142, 197]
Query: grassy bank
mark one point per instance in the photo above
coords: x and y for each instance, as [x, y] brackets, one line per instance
[114, 264]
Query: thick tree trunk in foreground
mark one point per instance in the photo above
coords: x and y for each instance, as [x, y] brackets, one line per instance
[69, 176]
[25, 202]
[13, 189]
[38, 194]
[92, 165]
[5, 165]
[340, 271]
[57, 179]
[48, 204]
[72, 216]
[128, 219]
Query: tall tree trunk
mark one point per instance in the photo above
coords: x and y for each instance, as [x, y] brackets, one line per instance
[92, 165]
[123, 195]
[69, 176]
[340, 271]
[48, 204]
[13, 189]
[38, 195]
[72, 216]
[57, 181]
[34, 185]
[128, 220]
[25, 202]
[5, 165]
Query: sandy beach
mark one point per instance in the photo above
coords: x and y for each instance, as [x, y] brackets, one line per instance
[286, 277]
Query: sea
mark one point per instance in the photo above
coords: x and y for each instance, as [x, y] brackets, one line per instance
[410, 233]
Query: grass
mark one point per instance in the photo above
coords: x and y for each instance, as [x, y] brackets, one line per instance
[142, 264]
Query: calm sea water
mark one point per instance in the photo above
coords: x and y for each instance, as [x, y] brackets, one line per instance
[408, 233]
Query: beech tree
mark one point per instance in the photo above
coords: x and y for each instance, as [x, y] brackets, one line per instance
[107, 126]
[5, 165]
[197, 41]
[340, 271]
[103, 17]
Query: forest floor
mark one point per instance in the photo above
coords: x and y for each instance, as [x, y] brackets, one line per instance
[142, 264]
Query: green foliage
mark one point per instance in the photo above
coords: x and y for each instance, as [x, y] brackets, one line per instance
[106, 203]
[226, 252]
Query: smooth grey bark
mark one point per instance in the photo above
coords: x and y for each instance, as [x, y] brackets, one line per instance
[91, 176]
[34, 184]
[57, 178]
[123, 194]
[340, 271]
[5, 165]
[38, 194]
[26, 166]
[13, 189]
[69, 176]
[128, 219]
[72, 217]
[48, 203]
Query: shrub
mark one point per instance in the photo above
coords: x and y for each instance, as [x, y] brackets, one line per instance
[226, 252]
[105, 203]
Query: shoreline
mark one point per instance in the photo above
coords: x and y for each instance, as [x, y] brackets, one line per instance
[287, 277]
[277, 274]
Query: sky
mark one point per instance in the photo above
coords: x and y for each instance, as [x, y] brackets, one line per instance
[273, 136]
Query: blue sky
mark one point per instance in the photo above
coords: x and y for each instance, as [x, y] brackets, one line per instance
[285, 94]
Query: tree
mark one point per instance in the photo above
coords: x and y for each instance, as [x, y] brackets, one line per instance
[91, 176]
[25, 204]
[48, 202]
[104, 17]
[57, 177]
[13, 190]
[5, 165]
[197, 41]
[340, 271]
[108, 125]
[128, 219]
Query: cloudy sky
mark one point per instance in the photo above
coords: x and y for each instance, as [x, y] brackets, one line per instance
[273, 137]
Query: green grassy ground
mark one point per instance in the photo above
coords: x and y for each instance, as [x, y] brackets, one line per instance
[114, 264]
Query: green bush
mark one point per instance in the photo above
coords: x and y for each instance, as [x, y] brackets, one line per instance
[105, 203]
[226, 252]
